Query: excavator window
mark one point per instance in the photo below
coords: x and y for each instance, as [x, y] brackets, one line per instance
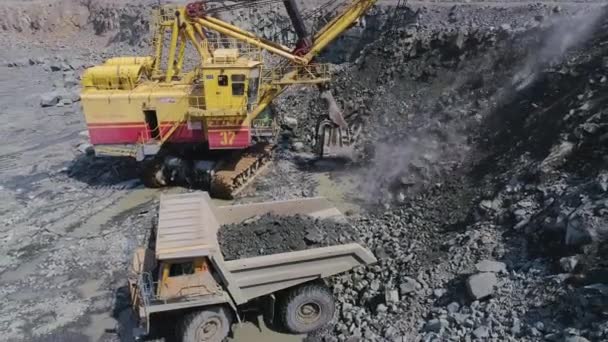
[238, 84]
[237, 78]
[238, 89]
[222, 80]
[180, 269]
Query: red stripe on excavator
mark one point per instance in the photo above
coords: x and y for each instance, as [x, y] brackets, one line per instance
[114, 135]
[130, 133]
[184, 135]
[223, 139]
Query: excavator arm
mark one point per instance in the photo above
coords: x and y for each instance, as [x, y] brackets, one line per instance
[337, 26]
[308, 48]
[190, 25]
[191, 22]
[321, 40]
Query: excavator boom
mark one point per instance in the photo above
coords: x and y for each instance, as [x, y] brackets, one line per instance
[320, 41]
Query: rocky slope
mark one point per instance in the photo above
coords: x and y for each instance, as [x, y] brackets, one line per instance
[488, 147]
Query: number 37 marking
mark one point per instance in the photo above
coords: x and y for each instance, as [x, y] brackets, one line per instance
[227, 137]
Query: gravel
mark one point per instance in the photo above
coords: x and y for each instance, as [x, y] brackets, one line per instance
[491, 185]
[491, 266]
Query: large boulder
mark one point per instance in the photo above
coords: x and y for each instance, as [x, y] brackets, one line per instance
[557, 156]
[408, 285]
[291, 122]
[436, 325]
[585, 227]
[49, 99]
[482, 332]
[298, 146]
[570, 263]
[55, 66]
[60, 98]
[481, 285]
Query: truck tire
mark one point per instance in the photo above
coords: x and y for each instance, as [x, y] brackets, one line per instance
[306, 308]
[209, 325]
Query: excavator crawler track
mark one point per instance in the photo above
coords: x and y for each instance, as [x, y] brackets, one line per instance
[232, 175]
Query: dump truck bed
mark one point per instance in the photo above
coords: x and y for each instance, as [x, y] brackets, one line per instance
[188, 223]
[188, 226]
[254, 277]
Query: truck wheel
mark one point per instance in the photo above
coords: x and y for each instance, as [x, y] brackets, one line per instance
[209, 325]
[306, 308]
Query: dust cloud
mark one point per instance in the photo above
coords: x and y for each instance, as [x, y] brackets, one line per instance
[403, 166]
[415, 157]
[566, 34]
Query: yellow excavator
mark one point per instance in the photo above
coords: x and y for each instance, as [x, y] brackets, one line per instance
[208, 122]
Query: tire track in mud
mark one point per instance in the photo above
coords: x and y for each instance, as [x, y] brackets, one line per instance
[100, 252]
[9, 161]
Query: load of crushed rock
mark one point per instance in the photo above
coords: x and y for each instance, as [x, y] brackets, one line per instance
[271, 234]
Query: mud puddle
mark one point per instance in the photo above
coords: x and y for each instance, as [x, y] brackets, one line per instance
[98, 221]
[338, 192]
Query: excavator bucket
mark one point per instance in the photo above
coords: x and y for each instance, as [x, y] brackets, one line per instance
[333, 141]
[334, 137]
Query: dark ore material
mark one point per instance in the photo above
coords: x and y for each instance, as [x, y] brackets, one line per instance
[270, 234]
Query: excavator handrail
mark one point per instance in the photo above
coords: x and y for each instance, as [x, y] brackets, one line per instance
[297, 74]
[250, 38]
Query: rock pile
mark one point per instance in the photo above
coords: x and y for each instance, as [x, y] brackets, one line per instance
[270, 234]
[66, 73]
[419, 90]
[505, 242]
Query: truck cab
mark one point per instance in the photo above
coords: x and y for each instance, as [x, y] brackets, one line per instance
[186, 278]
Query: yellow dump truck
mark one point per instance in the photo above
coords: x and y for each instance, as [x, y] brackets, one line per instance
[183, 272]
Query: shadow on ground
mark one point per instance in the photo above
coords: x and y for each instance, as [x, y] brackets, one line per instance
[99, 172]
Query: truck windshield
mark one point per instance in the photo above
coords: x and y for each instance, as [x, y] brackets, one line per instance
[180, 269]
